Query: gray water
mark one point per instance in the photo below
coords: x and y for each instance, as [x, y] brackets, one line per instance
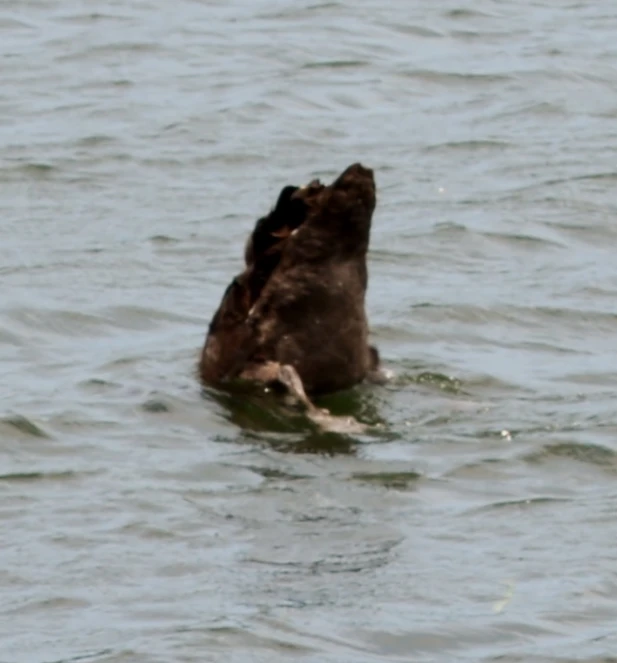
[143, 521]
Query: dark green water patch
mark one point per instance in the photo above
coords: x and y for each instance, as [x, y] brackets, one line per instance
[583, 453]
[391, 480]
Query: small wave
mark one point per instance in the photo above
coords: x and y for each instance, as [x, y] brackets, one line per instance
[460, 13]
[63, 323]
[114, 49]
[31, 477]
[416, 30]
[468, 145]
[163, 239]
[35, 170]
[277, 474]
[336, 64]
[520, 504]
[593, 454]
[539, 317]
[364, 556]
[604, 378]
[453, 77]
[522, 240]
[610, 175]
[95, 140]
[390, 480]
[299, 12]
[265, 646]
[15, 24]
[93, 18]
[449, 227]
[137, 316]
[55, 604]
[23, 425]
[534, 108]
[155, 406]
[514, 194]
[77, 324]
[99, 384]
[8, 337]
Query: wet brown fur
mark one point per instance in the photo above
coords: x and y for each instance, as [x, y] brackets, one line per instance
[300, 300]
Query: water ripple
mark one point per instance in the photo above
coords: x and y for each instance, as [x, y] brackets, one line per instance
[141, 142]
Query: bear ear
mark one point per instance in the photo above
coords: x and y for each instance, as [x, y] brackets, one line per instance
[284, 197]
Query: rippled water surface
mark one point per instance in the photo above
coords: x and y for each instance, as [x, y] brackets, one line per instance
[145, 522]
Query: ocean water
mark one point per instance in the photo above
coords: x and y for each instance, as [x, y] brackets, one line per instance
[143, 521]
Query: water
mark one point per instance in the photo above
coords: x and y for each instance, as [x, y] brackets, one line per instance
[143, 522]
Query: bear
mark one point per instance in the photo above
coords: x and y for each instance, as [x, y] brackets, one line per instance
[296, 315]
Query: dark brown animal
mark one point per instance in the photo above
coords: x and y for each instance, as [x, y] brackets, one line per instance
[296, 314]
